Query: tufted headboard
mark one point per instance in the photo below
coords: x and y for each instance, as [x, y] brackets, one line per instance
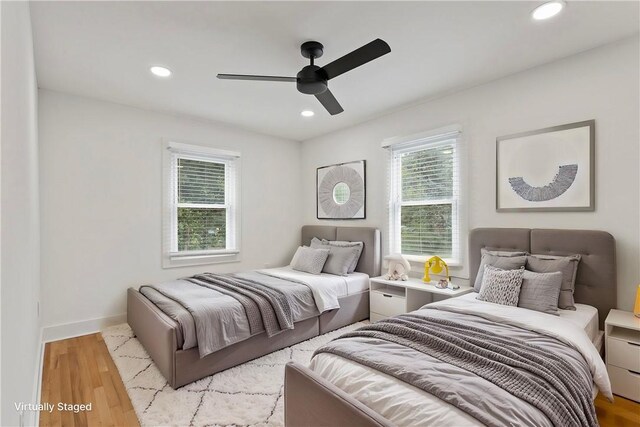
[596, 282]
[369, 260]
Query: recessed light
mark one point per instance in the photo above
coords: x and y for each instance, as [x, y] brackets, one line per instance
[160, 71]
[307, 113]
[547, 10]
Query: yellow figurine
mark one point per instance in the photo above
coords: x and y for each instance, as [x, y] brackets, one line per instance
[435, 264]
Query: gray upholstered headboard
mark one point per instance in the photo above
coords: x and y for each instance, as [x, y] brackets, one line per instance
[596, 282]
[369, 260]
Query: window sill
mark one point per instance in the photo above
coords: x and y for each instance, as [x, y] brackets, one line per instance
[421, 259]
[174, 261]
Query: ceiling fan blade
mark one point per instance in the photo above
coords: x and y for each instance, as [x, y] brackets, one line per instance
[329, 102]
[259, 78]
[358, 57]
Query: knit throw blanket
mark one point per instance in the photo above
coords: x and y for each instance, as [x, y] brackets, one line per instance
[547, 381]
[216, 323]
[273, 309]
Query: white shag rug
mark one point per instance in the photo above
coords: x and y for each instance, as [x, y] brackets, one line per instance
[250, 394]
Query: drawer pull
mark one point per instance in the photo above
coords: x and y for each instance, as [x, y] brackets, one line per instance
[637, 374]
[387, 295]
[634, 344]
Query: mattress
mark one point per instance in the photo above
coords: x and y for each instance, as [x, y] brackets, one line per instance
[586, 317]
[406, 405]
[353, 283]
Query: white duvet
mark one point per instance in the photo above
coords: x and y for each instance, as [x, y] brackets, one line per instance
[405, 405]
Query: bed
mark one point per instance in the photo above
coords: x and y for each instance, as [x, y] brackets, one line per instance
[338, 391]
[162, 336]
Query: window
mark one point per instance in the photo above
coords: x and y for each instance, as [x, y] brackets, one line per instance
[424, 196]
[201, 209]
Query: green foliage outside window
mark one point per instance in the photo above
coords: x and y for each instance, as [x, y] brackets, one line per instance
[426, 229]
[201, 183]
[427, 176]
[200, 229]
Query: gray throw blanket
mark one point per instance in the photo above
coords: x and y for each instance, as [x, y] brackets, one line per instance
[218, 320]
[272, 303]
[546, 380]
[253, 311]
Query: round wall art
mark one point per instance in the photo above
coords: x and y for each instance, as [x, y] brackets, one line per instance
[341, 191]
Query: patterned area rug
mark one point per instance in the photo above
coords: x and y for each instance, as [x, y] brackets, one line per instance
[247, 395]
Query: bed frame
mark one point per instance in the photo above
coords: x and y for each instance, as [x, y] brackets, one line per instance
[161, 336]
[310, 400]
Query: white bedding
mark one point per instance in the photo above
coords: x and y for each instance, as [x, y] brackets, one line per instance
[357, 282]
[585, 317]
[405, 405]
[326, 288]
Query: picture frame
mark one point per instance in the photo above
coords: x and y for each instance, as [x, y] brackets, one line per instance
[341, 191]
[547, 170]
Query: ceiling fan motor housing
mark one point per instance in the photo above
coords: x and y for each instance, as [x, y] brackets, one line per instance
[311, 80]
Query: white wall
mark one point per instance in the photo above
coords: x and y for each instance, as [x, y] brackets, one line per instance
[101, 166]
[600, 84]
[19, 224]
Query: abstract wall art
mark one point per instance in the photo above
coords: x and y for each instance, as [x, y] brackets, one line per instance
[548, 169]
[341, 191]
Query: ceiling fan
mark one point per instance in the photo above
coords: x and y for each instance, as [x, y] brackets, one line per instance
[313, 80]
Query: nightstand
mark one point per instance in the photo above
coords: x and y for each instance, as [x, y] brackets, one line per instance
[392, 297]
[622, 335]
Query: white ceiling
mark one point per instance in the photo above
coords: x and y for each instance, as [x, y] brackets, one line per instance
[104, 49]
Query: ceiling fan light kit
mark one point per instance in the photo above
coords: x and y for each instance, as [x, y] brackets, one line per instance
[313, 80]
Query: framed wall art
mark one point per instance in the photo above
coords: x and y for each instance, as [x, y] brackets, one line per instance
[341, 191]
[549, 169]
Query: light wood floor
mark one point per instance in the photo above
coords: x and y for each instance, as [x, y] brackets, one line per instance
[80, 370]
[622, 412]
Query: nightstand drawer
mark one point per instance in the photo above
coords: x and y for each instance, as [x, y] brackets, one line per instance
[625, 383]
[387, 304]
[623, 355]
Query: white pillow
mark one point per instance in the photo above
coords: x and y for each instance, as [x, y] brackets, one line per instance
[309, 260]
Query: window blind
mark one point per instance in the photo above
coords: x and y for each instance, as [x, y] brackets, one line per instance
[201, 195]
[424, 196]
[201, 205]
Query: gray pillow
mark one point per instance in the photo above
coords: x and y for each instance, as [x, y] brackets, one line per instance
[501, 286]
[340, 259]
[309, 260]
[317, 243]
[567, 265]
[499, 259]
[540, 291]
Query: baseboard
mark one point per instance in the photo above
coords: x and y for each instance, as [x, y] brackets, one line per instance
[71, 330]
[35, 415]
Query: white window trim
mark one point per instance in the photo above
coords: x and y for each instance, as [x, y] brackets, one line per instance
[170, 256]
[406, 144]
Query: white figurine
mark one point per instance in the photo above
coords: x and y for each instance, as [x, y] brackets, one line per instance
[399, 267]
